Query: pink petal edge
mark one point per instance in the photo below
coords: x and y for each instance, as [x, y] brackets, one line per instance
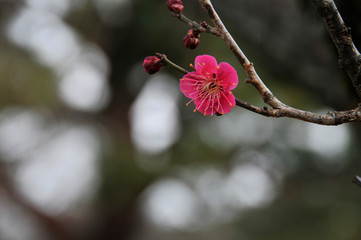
[227, 75]
[188, 84]
[226, 99]
[205, 64]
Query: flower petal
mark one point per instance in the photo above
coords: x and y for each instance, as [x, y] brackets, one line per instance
[188, 84]
[227, 76]
[227, 101]
[206, 65]
[206, 105]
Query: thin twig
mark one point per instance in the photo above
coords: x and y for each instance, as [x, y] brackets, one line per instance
[253, 108]
[349, 56]
[332, 118]
[171, 64]
[202, 27]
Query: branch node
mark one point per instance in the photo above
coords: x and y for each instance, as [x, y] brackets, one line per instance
[248, 80]
[331, 114]
[204, 24]
[177, 15]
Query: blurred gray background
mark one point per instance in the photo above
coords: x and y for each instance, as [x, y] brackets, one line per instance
[91, 147]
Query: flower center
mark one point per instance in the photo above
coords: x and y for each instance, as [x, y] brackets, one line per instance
[212, 86]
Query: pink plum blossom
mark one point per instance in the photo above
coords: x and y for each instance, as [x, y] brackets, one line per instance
[210, 85]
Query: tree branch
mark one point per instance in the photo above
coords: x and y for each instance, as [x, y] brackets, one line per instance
[349, 56]
[332, 118]
[279, 109]
[255, 109]
[253, 77]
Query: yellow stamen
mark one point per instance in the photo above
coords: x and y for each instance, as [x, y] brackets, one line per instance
[189, 102]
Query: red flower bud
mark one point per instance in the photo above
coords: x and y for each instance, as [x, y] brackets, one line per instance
[175, 6]
[152, 64]
[191, 40]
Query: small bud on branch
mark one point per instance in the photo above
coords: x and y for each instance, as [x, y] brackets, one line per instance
[152, 64]
[175, 6]
[191, 40]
